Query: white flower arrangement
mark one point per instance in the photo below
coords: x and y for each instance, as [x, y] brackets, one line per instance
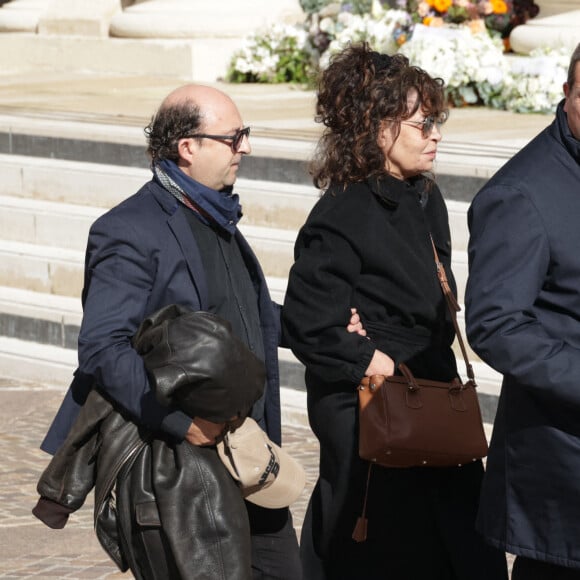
[472, 64]
[466, 61]
[353, 28]
[278, 54]
[535, 82]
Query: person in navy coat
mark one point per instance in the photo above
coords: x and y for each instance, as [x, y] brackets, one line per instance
[523, 319]
[176, 241]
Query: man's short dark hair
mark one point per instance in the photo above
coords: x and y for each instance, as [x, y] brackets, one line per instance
[169, 125]
[573, 62]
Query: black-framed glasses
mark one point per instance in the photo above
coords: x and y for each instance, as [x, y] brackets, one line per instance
[427, 124]
[236, 138]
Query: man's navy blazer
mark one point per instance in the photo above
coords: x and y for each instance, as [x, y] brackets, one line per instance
[141, 256]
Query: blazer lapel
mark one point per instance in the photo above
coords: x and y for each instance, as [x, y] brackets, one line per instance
[186, 240]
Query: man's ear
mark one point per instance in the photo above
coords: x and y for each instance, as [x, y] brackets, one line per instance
[187, 149]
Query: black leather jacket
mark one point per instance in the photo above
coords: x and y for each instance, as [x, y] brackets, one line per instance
[164, 509]
[158, 505]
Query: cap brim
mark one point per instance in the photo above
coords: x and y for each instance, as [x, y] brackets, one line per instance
[285, 489]
[238, 457]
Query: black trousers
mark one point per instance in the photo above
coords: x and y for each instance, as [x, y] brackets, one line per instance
[527, 569]
[275, 552]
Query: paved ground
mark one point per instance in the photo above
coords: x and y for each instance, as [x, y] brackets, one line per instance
[29, 549]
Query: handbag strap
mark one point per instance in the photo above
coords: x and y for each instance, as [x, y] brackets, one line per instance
[453, 307]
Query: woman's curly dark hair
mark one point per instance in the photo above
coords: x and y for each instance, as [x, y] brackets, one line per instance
[170, 124]
[357, 92]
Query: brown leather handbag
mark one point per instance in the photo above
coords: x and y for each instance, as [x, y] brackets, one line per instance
[410, 422]
[407, 421]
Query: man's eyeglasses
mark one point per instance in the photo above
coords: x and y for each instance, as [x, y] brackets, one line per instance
[428, 124]
[236, 138]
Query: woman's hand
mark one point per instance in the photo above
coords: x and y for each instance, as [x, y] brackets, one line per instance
[202, 432]
[381, 364]
[355, 324]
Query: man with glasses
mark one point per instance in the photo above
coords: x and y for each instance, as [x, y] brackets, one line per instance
[176, 242]
[523, 319]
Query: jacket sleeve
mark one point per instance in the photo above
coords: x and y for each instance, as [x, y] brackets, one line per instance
[320, 294]
[71, 473]
[509, 263]
[120, 270]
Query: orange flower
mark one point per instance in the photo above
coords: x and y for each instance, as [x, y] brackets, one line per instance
[427, 20]
[498, 6]
[444, 5]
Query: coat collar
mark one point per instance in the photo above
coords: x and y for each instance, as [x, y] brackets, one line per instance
[570, 142]
[391, 190]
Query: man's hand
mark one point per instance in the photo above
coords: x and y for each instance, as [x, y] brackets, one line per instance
[354, 324]
[202, 432]
[381, 364]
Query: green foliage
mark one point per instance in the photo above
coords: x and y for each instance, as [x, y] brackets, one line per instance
[312, 6]
[359, 6]
[279, 55]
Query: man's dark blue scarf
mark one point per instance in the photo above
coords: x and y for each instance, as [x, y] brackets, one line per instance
[223, 207]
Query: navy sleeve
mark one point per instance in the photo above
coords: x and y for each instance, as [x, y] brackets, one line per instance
[509, 264]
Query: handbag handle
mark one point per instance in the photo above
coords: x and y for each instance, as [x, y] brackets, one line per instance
[453, 307]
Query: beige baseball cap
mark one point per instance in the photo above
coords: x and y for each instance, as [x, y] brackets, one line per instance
[266, 474]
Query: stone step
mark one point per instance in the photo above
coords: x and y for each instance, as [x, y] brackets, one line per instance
[48, 365]
[265, 203]
[46, 223]
[57, 270]
[55, 319]
[280, 150]
[73, 183]
[40, 317]
[46, 269]
[51, 367]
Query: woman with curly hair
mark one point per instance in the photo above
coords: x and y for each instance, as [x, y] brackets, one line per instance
[367, 243]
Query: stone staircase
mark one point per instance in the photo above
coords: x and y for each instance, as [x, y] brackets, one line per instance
[71, 147]
[46, 208]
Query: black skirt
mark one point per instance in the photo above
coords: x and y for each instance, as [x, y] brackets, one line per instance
[420, 520]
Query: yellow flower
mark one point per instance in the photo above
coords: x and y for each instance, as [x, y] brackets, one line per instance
[401, 39]
[498, 6]
[444, 5]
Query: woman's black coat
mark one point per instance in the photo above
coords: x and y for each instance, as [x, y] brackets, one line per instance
[368, 246]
